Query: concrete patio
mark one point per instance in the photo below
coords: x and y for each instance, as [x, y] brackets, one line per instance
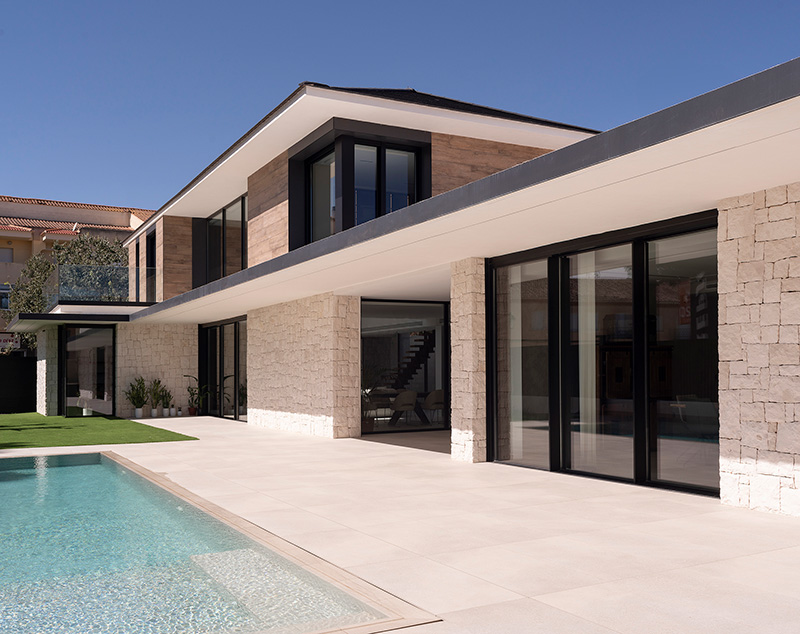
[494, 548]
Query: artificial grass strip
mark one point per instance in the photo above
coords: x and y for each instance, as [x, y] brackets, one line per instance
[19, 431]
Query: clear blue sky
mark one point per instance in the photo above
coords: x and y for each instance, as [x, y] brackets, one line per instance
[123, 103]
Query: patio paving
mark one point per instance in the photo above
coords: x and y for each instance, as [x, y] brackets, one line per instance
[494, 548]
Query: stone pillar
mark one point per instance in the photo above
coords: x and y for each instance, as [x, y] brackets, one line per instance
[156, 351]
[47, 371]
[759, 349]
[304, 366]
[468, 360]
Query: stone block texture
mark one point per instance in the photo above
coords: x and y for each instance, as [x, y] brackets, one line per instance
[156, 351]
[759, 349]
[457, 160]
[173, 256]
[268, 211]
[468, 360]
[47, 371]
[303, 366]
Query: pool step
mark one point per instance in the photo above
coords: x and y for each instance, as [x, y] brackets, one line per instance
[279, 593]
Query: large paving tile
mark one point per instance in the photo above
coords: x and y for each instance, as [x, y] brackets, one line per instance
[288, 522]
[347, 548]
[777, 572]
[525, 616]
[682, 601]
[432, 586]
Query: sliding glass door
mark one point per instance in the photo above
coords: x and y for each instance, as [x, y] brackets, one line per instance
[223, 369]
[605, 360]
[598, 366]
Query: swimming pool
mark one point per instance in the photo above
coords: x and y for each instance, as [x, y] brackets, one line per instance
[87, 545]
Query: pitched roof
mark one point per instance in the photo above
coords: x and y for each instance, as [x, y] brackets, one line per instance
[142, 214]
[409, 95]
[8, 223]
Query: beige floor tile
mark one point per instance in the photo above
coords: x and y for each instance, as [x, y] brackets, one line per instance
[431, 585]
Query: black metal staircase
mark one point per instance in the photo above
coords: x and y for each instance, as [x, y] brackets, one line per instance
[422, 345]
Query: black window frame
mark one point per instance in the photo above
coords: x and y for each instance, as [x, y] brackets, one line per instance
[340, 136]
[202, 244]
[558, 318]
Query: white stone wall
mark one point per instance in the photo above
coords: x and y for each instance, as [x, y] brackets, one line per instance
[47, 371]
[156, 351]
[303, 366]
[759, 349]
[468, 360]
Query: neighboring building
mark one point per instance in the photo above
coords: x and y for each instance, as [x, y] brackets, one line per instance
[29, 226]
[624, 304]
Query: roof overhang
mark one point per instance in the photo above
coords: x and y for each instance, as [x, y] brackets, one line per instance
[734, 140]
[312, 106]
[76, 313]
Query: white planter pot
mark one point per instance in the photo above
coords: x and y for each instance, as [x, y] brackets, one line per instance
[153, 412]
[172, 411]
[138, 412]
[180, 411]
[87, 411]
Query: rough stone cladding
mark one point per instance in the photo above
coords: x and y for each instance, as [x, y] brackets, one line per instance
[156, 351]
[759, 349]
[268, 211]
[457, 160]
[173, 256]
[47, 371]
[468, 360]
[303, 366]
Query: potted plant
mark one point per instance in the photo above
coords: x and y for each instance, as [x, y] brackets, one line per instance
[154, 392]
[197, 395]
[83, 403]
[166, 402]
[137, 394]
[371, 378]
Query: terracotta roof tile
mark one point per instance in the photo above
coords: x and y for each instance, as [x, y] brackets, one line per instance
[50, 225]
[142, 214]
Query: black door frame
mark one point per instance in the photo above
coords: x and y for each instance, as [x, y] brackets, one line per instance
[558, 344]
[203, 366]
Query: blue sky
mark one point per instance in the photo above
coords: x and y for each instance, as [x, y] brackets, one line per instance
[123, 103]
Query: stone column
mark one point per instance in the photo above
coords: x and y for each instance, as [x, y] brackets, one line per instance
[304, 366]
[47, 371]
[468, 360]
[759, 349]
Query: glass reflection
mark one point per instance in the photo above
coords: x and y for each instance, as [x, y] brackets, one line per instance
[400, 179]
[600, 361]
[234, 229]
[523, 411]
[683, 406]
[366, 179]
[403, 384]
[323, 197]
[89, 371]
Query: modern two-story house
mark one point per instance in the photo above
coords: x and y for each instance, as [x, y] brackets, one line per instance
[624, 305]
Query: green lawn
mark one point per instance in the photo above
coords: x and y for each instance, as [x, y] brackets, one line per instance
[34, 430]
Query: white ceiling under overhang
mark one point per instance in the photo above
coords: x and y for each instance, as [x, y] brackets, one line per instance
[680, 176]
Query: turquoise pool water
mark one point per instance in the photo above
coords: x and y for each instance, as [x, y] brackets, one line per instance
[88, 546]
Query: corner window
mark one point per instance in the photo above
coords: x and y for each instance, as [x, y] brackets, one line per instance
[347, 173]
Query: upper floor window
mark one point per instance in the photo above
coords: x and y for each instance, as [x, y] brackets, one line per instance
[226, 250]
[352, 172]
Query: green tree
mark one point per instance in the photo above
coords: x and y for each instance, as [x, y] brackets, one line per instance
[29, 294]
